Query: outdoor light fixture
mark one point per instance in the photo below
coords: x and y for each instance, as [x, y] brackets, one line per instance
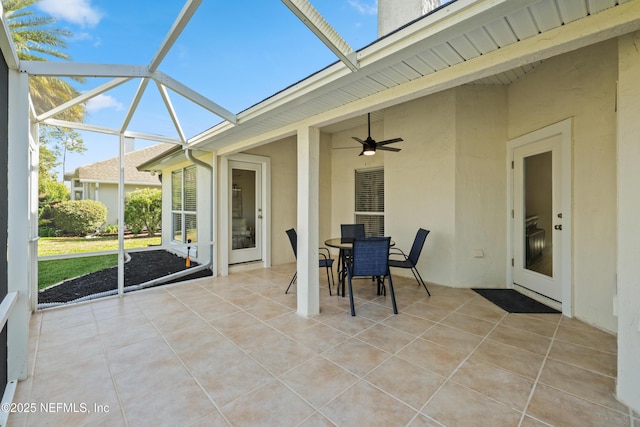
[369, 150]
[369, 145]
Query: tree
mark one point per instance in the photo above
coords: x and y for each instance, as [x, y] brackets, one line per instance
[143, 211]
[62, 141]
[36, 39]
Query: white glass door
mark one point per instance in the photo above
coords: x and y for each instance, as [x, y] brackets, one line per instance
[245, 204]
[537, 216]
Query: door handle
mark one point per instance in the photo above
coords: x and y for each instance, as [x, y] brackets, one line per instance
[558, 227]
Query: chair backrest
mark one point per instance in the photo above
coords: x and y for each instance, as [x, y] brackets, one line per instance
[348, 232]
[418, 243]
[293, 238]
[371, 256]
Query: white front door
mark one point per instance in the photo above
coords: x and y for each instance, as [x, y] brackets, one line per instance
[246, 212]
[538, 216]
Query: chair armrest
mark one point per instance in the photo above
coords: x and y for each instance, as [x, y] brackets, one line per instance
[397, 252]
[321, 251]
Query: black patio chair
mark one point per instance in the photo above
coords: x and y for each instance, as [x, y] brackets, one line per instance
[325, 260]
[370, 258]
[348, 232]
[411, 261]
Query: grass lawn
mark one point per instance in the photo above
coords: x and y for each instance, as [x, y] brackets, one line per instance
[48, 246]
[55, 271]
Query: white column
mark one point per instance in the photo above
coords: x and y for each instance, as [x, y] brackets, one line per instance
[308, 290]
[18, 225]
[120, 217]
[628, 224]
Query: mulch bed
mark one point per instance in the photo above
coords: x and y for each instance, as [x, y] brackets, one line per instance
[142, 267]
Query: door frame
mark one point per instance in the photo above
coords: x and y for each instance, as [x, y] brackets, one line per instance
[224, 243]
[564, 130]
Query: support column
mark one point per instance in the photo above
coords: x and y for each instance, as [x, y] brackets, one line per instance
[308, 291]
[19, 230]
[628, 226]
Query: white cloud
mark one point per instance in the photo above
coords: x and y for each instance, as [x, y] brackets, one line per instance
[365, 7]
[102, 101]
[79, 12]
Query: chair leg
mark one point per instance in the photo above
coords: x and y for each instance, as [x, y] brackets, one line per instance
[328, 282]
[420, 280]
[393, 295]
[293, 279]
[353, 309]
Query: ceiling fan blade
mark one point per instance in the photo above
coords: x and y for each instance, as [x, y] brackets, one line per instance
[358, 139]
[388, 148]
[390, 141]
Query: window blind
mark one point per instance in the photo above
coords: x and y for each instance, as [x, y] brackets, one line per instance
[369, 201]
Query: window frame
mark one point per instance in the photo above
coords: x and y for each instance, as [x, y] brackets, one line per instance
[179, 209]
[376, 203]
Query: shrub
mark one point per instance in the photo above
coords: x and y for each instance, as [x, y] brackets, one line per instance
[143, 211]
[79, 217]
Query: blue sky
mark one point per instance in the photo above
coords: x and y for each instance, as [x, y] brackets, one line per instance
[236, 53]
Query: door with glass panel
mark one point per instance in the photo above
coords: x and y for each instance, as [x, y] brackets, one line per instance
[245, 211]
[537, 216]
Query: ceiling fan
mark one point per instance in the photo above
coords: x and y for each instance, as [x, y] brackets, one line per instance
[369, 145]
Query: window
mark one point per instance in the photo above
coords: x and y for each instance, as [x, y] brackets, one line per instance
[184, 205]
[370, 201]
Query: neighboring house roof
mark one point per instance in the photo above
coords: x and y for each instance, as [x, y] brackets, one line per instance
[108, 171]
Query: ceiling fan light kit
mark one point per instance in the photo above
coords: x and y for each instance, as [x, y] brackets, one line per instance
[369, 145]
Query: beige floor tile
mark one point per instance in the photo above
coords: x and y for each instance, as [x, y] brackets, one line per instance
[144, 378]
[490, 313]
[586, 384]
[529, 324]
[588, 338]
[431, 356]
[428, 312]
[319, 337]
[68, 336]
[454, 339]
[455, 405]
[130, 335]
[409, 324]
[318, 380]
[508, 357]
[182, 339]
[268, 309]
[421, 420]
[468, 324]
[272, 404]
[200, 359]
[221, 309]
[496, 383]
[53, 321]
[128, 357]
[362, 404]
[64, 356]
[562, 409]
[525, 340]
[185, 402]
[405, 381]
[368, 357]
[227, 382]
[234, 322]
[281, 355]
[584, 357]
[215, 419]
[527, 421]
[374, 311]
[347, 323]
[386, 338]
[316, 420]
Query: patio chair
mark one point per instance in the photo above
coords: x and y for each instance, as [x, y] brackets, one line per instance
[411, 261]
[348, 232]
[325, 260]
[370, 258]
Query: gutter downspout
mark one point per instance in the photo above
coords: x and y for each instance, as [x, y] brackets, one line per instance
[188, 153]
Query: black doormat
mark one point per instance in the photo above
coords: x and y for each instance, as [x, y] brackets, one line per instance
[514, 302]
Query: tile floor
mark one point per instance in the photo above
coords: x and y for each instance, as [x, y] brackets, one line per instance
[232, 351]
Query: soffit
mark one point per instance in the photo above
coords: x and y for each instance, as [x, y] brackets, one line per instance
[449, 36]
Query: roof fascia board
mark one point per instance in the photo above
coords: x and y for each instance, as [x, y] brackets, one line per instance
[6, 44]
[602, 26]
[83, 97]
[176, 29]
[83, 69]
[195, 97]
[324, 31]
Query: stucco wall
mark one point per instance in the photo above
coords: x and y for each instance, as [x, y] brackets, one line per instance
[480, 191]
[420, 181]
[582, 85]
